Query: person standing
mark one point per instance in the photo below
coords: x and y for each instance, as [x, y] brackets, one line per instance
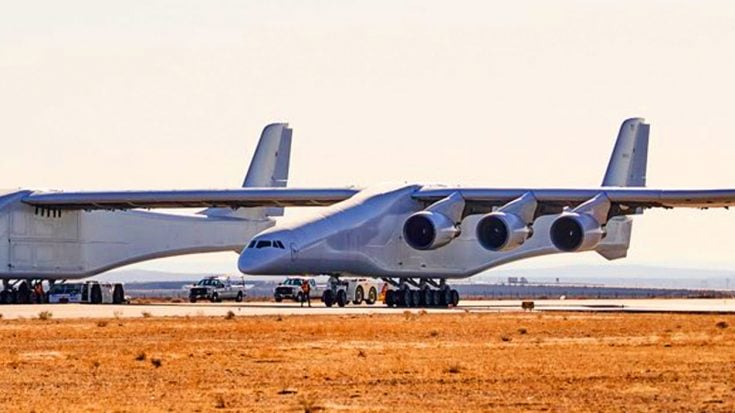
[305, 292]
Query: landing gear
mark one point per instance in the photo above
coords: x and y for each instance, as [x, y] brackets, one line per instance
[422, 293]
[26, 291]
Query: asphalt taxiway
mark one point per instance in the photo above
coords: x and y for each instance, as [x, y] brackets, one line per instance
[722, 306]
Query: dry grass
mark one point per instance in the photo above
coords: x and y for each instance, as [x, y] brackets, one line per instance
[417, 362]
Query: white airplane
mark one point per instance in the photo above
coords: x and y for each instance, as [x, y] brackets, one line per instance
[416, 237]
[46, 243]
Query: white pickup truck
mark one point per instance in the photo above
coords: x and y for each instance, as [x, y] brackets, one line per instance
[218, 288]
[290, 289]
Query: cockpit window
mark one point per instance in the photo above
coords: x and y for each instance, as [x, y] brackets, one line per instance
[266, 244]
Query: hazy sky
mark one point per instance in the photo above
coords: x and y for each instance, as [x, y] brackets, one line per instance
[173, 94]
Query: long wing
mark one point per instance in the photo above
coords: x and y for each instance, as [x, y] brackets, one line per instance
[550, 200]
[212, 198]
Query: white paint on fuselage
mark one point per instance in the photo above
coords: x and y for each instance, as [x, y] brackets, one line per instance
[364, 236]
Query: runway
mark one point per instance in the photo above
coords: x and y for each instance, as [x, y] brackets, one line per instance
[66, 311]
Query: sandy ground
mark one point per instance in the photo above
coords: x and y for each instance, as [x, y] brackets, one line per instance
[162, 309]
[412, 361]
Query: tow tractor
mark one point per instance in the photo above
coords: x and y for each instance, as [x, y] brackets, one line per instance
[342, 291]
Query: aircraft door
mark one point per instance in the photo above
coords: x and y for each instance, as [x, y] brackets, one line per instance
[294, 251]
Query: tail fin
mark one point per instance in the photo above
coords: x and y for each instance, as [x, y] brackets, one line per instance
[268, 169]
[628, 162]
[627, 167]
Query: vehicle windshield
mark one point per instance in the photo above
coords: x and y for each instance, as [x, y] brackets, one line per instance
[208, 281]
[293, 281]
[66, 289]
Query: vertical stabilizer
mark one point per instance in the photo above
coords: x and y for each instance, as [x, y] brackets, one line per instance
[629, 159]
[627, 168]
[268, 169]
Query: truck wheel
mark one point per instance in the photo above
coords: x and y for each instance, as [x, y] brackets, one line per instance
[192, 299]
[118, 294]
[278, 299]
[239, 297]
[95, 296]
[341, 298]
[328, 298]
[215, 298]
[359, 295]
[372, 296]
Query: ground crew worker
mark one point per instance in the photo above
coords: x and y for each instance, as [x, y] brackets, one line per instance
[305, 293]
[38, 290]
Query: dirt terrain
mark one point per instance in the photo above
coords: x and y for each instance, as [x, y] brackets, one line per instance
[404, 362]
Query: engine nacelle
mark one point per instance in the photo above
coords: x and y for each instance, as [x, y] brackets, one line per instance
[429, 230]
[575, 231]
[502, 231]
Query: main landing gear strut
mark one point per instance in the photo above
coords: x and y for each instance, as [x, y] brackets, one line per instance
[23, 291]
[410, 293]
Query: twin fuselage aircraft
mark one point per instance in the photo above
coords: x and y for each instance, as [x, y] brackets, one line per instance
[415, 237]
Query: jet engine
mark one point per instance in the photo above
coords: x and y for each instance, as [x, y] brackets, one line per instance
[502, 231]
[574, 231]
[429, 230]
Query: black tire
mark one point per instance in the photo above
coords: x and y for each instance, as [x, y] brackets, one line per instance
[390, 298]
[402, 297]
[95, 296]
[118, 294]
[455, 298]
[278, 299]
[4, 297]
[215, 298]
[372, 296]
[328, 298]
[192, 299]
[341, 298]
[359, 295]
[427, 298]
[437, 298]
[239, 297]
[415, 298]
[24, 293]
[446, 297]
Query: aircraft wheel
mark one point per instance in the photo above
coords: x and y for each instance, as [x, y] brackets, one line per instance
[24, 293]
[436, 298]
[372, 296]
[359, 295]
[239, 297]
[446, 297]
[416, 298]
[455, 298]
[341, 298]
[427, 298]
[328, 298]
[5, 297]
[390, 298]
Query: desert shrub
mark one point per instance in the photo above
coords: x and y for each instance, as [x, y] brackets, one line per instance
[522, 331]
[146, 314]
[230, 315]
[722, 324]
[156, 362]
[453, 369]
[140, 356]
[45, 315]
[102, 323]
[220, 402]
[506, 339]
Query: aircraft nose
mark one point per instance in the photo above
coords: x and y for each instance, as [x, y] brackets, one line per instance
[264, 261]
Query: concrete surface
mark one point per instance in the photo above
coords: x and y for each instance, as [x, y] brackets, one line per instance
[265, 308]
